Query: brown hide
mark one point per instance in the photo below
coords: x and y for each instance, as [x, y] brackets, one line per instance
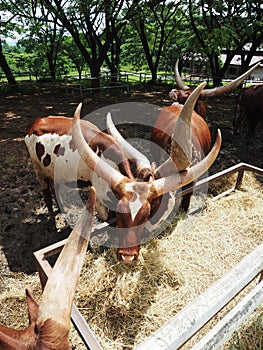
[26, 339]
[250, 101]
[201, 138]
[163, 128]
[95, 137]
[47, 335]
[201, 107]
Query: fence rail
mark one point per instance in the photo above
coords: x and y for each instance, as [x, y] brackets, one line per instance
[126, 77]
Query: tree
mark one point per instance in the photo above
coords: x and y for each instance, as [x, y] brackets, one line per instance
[113, 57]
[155, 21]
[48, 35]
[4, 65]
[72, 52]
[132, 52]
[227, 25]
[148, 31]
[4, 30]
[40, 26]
[254, 13]
[93, 25]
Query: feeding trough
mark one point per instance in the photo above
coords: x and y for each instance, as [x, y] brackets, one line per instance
[190, 319]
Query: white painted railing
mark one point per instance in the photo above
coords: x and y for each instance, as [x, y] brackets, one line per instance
[194, 316]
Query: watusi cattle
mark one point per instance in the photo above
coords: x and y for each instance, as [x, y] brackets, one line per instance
[49, 322]
[250, 101]
[55, 158]
[97, 158]
[180, 95]
[164, 134]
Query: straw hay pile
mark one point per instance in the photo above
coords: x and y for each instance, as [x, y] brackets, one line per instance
[125, 304]
[12, 298]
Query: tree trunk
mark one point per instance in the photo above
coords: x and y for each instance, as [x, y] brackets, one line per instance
[4, 65]
[154, 75]
[52, 69]
[217, 81]
[95, 74]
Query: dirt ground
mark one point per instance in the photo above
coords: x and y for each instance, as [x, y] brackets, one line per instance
[24, 224]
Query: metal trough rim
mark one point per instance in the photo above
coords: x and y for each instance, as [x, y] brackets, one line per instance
[196, 314]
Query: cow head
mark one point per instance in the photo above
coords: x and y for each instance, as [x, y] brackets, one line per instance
[136, 198]
[49, 323]
[180, 95]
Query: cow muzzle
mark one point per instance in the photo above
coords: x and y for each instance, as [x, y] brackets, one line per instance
[173, 94]
[128, 256]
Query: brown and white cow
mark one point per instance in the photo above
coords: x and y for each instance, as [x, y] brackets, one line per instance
[180, 95]
[56, 160]
[100, 160]
[49, 322]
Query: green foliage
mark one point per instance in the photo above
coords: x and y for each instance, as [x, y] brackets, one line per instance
[58, 36]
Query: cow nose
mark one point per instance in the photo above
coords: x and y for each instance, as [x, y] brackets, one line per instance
[173, 95]
[127, 257]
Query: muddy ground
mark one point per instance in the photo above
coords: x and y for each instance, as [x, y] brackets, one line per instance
[24, 224]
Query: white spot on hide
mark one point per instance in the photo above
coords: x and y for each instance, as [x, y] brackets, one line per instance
[136, 204]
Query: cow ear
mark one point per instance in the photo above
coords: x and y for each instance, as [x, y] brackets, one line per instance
[32, 307]
[9, 343]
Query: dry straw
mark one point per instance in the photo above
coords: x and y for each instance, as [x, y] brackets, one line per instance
[123, 305]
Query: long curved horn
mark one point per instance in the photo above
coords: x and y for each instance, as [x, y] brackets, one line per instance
[58, 295]
[230, 86]
[181, 138]
[92, 160]
[142, 163]
[174, 182]
[178, 79]
[217, 90]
